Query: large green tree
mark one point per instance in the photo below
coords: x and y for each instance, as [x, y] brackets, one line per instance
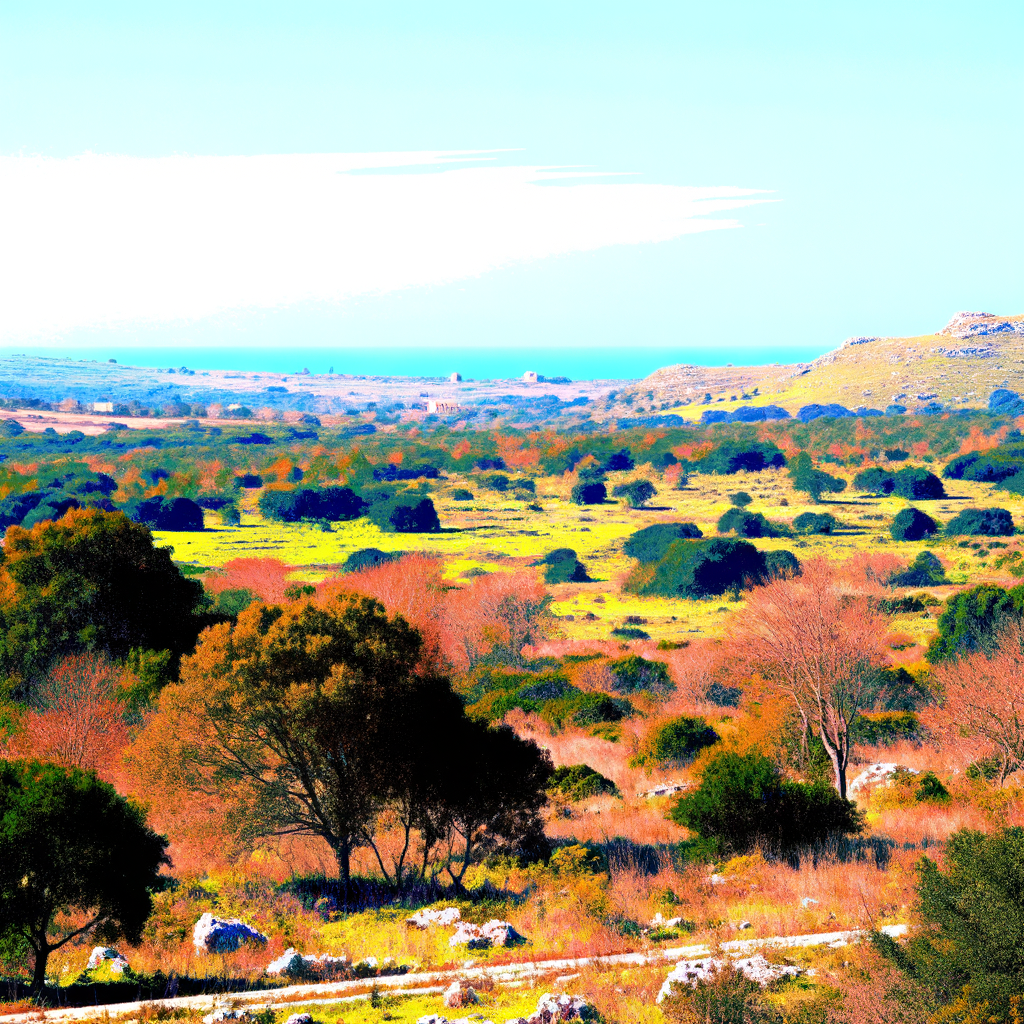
[313, 720]
[75, 858]
[92, 581]
[814, 482]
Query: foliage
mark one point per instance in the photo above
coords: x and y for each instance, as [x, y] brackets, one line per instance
[975, 919]
[70, 845]
[264, 708]
[91, 582]
[329, 504]
[815, 522]
[875, 480]
[578, 859]
[972, 618]
[701, 568]
[912, 524]
[636, 494]
[925, 571]
[633, 674]
[577, 782]
[883, 728]
[461, 494]
[815, 482]
[652, 542]
[918, 484]
[174, 514]
[593, 493]
[367, 558]
[992, 466]
[743, 802]
[740, 499]
[737, 456]
[981, 522]
[675, 742]
[404, 515]
[562, 566]
[728, 997]
[750, 524]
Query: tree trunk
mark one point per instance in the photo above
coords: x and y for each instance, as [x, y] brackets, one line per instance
[39, 974]
[343, 856]
[838, 754]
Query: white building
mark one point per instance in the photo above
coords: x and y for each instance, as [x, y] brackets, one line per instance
[102, 406]
[530, 377]
[442, 408]
[455, 378]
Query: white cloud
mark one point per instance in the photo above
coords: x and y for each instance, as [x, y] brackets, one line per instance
[109, 240]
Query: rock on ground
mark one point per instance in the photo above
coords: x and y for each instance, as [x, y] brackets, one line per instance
[756, 968]
[224, 935]
[109, 957]
[877, 773]
[293, 964]
[425, 918]
[493, 933]
[459, 994]
[300, 1018]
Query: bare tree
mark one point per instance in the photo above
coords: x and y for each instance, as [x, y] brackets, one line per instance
[982, 696]
[820, 643]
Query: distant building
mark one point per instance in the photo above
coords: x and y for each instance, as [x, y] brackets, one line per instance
[530, 377]
[443, 408]
[102, 406]
[455, 378]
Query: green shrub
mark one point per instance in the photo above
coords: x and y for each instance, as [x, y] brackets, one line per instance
[332, 504]
[875, 481]
[918, 485]
[734, 457]
[815, 522]
[675, 742]
[495, 482]
[815, 482]
[780, 563]
[972, 619]
[404, 515]
[985, 769]
[589, 494]
[743, 801]
[562, 566]
[912, 524]
[461, 494]
[231, 602]
[882, 728]
[630, 633]
[925, 571]
[633, 674]
[981, 522]
[652, 542]
[636, 494]
[579, 782]
[750, 524]
[369, 558]
[578, 859]
[930, 790]
[740, 499]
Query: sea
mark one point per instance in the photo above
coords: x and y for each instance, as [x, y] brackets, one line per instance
[473, 364]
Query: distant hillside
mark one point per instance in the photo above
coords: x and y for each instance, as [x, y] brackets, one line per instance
[958, 367]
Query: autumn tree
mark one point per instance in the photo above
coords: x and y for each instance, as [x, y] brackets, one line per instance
[821, 646]
[92, 581]
[981, 697]
[75, 859]
[313, 720]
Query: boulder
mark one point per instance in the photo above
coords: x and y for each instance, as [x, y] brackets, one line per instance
[470, 936]
[300, 1018]
[224, 935]
[459, 994]
[106, 956]
[293, 964]
[756, 968]
[223, 1014]
[368, 967]
[658, 921]
[552, 1008]
[493, 933]
[874, 774]
[424, 919]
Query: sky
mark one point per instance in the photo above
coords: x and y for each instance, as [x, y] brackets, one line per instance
[691, 182]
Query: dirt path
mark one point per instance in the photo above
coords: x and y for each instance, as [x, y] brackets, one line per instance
[436, 981]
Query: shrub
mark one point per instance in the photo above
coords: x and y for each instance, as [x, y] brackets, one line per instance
[925, 571]
[930, 790]
[740, 499]
[232, 602]
[633, 674]
[815, 522]
[750, 524]
[703, 568]
[652, 542]
[250, 481]
[562, 566]
[972, 619]
[636, 494]
[882, 728]
[918, 485]
[815, 482]
[579, 782]
[780, 563]
[578, 859]
[330, 504]
[675, 742]
[495, 482]
[630, 633]
[461, 494]
[875, 481]
[981, 522]
[369, 558]
[618, 462]
[912, 524]
[405, 515]
[733, 457]
[589, 494]
[727, 997]
[743, 802]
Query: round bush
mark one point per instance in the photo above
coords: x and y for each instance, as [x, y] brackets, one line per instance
[981, 522]
[815, 522]
[912, 524]
[579, 782]
[562, 566]
[652, 542]
[589, 494]
[677, 741]
[461, 494]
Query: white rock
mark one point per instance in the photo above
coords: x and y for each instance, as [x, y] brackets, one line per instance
[501, 933]
[224, 935]
[101, 955]
[292, 964]
[882, 772]
[423, 919]
[300, 1018]
[743, 926]
[808, 902]
[224, 1015]
[552, 1008]
[756, 968]
[432, 1018]
[658, 921]
[460, 994]
[470, 936]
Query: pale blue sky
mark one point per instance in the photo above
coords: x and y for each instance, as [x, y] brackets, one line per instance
[887, 135]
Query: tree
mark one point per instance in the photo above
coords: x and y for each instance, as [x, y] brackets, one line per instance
[562, 566]
[918, 484]
[743, 801]
[91, 582]
[815, 482]
[312, 720]
[69, 845]
[821, 647]
[589, 493]
[981, 522]
[982, 697]
[912, 524]
[652, 542]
